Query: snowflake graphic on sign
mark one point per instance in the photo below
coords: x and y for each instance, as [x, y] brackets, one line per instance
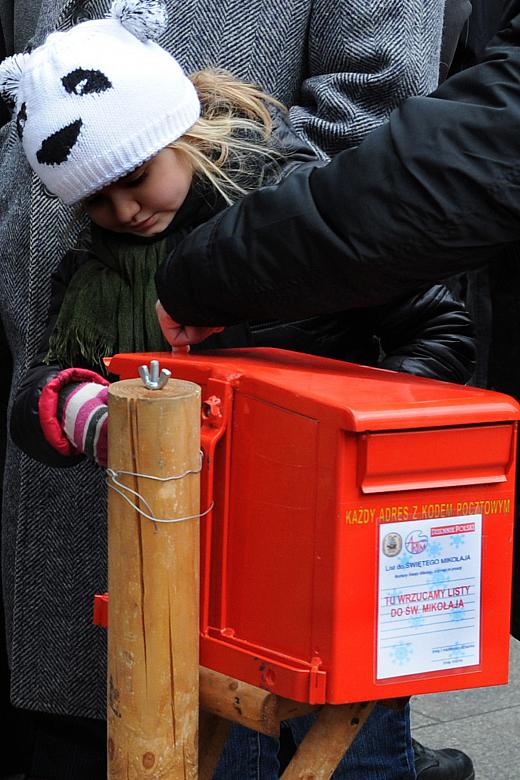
[438, 578]
[458, 614]
[457, 540]
[401, 653]
[435, 549]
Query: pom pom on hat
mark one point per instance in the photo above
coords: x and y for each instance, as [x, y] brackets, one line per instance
[11, 70]
[146, 19]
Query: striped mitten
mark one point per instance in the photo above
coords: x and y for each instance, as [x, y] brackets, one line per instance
[86, 427]
[83, 414]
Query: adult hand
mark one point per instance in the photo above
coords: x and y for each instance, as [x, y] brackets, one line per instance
[181, 335]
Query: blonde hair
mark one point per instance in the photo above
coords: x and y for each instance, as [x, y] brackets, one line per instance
[231, 144]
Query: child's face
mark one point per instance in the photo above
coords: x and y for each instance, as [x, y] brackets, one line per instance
[146, 200]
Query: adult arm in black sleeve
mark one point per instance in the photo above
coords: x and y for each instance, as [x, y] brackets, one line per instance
[431, 193]
[429, 335]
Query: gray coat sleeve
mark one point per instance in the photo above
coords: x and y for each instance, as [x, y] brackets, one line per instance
[364, 58]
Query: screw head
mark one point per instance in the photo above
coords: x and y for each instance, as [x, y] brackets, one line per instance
[152, 379]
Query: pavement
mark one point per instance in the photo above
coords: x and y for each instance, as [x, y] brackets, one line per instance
[483, 722]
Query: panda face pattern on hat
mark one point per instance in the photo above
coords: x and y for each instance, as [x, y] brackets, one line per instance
[93, 103]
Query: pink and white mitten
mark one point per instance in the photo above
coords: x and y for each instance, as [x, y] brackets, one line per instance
[74, 415]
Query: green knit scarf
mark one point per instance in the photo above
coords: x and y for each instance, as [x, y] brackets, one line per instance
[109, 304]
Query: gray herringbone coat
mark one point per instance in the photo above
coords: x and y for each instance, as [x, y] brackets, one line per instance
[342, 65]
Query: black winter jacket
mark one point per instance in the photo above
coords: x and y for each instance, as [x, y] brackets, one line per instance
[434, 192]
[480, 28]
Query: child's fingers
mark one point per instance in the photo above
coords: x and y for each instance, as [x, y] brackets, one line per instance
[178, 335]
[191, 334]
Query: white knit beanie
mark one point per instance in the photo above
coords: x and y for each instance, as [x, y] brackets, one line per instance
[95, 102]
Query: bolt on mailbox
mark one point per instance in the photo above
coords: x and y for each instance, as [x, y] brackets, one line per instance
[360, 541]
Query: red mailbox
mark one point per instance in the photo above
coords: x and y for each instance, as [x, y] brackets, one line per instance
[360, 542]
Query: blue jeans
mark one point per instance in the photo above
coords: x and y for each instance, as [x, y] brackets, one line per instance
[381, 751]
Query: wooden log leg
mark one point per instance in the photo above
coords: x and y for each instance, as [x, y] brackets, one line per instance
[213, 733]
[326, 742]
[226, 700]
[246, 704]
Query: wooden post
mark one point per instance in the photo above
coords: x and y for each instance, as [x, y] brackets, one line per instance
[153, 671]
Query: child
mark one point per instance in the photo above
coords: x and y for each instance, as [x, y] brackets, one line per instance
[145, 176]
[108, 120]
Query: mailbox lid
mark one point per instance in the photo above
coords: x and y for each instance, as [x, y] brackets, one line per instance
[436, 457]
[366, 399]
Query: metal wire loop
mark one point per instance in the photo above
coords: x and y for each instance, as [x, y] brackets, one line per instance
[115, 484]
